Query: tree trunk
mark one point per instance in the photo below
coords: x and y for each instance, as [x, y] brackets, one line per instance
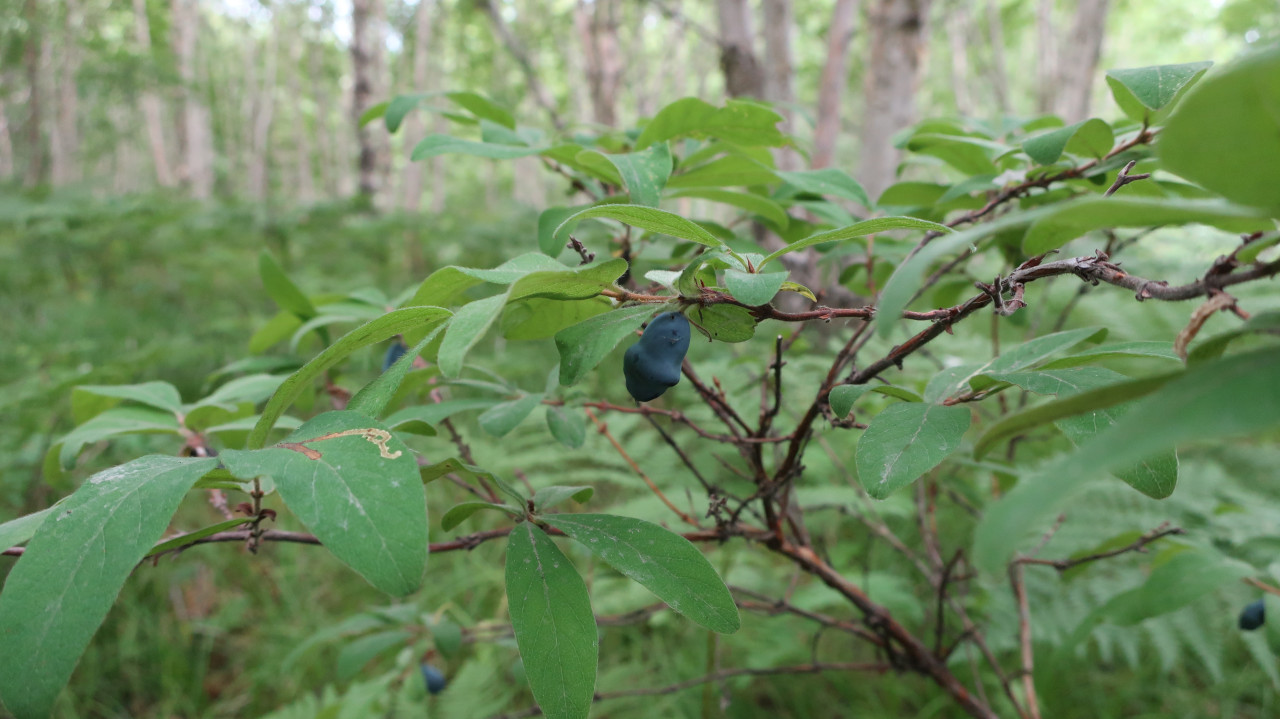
[31, 52]
[779, 23]
[959, 34]
[263, 111]
[598, 31]
[152, 110]
[1075, 75]
[414, 127]
[1046, 56]
[834, 78]
[64, 141]
[522, 58]
[743, 75]
[367, 51]
[304, 179]
[999, 73]
[196, 147]
[898, 44]
[6, 141]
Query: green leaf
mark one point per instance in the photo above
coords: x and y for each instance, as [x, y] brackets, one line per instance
[1032, 352]
[644, 173]
[842, 397]
[183, 540]
[399, 107]
[1117, 350]
[548, 497]
[743, 123]
[460, 513]
[277, 329]
[1073, 219]
[860, 229]
[551, 242]
[661, 560]
[1215, 400]
[1087, 137]
[726, 323]
[433, 472]
[754, 289]
[906, 440]
[17, 531]
[1141, 91]
[1174, 584]
[500, 419]
[59, 592]
[373, 397]
[281, 289]
[969, 155]
[437, 144]
[554, 627]
[465, 329]
[567, 426]
[1154, 476]
[648, 218]
[121, 420]
[1223, 135]
[385, 327]
[90, 400]
[483, 108]
[1087, 401]
[373, 113]
[252, 388]
[580, 283]
[433, 414]
[356, 487]
[732, 171]
[585, 344]
[829, 182]
[362, 650]
[762, 206]
[538, 318]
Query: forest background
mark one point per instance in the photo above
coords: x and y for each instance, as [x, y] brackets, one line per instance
[144, 142]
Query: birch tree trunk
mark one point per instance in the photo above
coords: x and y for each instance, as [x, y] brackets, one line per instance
[743, 75]
[1046, 56]
[959, 32]
[898, 44]
[152, 110]
[834, 78]
[196, 133]
[304, 180]
[31, 53]
[64, 141]
[779, 24]
[1075, 73]
[414, 127]
[263, 111]
[999, 73]
[367, 52]
[597, 27]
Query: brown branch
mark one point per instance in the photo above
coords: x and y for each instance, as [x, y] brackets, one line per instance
[603, 429]
[1138, 545]
[467, 542]
[918, 656]
[1024, 641]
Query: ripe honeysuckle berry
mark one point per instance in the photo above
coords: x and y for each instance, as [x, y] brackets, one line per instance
[434, 679]
[652, 365]
[1253, 616]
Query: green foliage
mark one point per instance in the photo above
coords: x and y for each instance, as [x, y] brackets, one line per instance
[789, 452]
